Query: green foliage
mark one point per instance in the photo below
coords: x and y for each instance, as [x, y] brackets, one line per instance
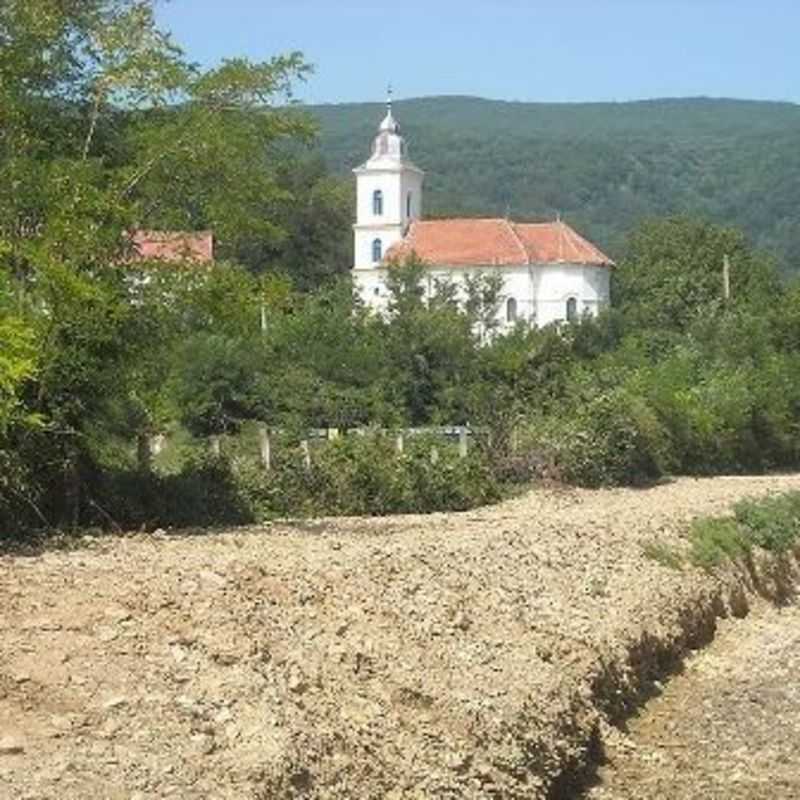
[107, 127]
[671, 275]
[364, 475]
[772, 523]
[663, 554]
[607, 167]
[715, 540]
[351, 476]
[614, 438]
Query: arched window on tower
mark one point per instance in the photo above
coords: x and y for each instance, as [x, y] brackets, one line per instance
[511, 310]
[408, 205]
[377, 203]
[377, 251]
[572, 309]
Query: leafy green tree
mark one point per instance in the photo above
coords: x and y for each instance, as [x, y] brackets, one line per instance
[673, 274]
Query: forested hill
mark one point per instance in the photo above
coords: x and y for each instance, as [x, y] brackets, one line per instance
[603, 166]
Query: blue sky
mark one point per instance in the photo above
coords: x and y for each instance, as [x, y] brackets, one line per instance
[561, 50]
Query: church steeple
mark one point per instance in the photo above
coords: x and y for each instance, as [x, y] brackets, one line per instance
[389, 194]
[389, 143]
[389, 123]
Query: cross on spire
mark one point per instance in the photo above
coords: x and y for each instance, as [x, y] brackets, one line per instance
[389, 97]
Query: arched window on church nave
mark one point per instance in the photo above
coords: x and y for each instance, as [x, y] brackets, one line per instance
[377, 251]
[572, 309]
[511, 310]
[408, 204]
[377, 203]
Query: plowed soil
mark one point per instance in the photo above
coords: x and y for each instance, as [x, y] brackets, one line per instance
[728, 728]
[471, 655]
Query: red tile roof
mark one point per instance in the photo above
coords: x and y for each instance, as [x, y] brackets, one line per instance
[174, 246]
[495, 242]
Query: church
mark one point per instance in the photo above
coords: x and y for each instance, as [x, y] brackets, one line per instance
[550, 273]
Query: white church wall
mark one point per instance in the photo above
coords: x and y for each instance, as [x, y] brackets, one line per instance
[555, 284]
[391, 224]
[541, 292]
[389, 182]
[366, 235]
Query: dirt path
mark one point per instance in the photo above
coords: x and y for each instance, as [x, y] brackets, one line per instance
[728, 728]
[450, 656]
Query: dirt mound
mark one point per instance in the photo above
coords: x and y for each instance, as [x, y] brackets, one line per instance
[454, 655]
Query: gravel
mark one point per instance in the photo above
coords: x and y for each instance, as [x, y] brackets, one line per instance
[451, 655]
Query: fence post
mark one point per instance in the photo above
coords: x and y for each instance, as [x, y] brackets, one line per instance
[400, 444]
[463, 442]
[265, 446]
[306, 453]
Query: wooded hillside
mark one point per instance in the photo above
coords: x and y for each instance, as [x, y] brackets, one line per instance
[604, 166]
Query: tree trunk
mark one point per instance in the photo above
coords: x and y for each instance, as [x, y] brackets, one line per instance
[72, 485]
[144, 452]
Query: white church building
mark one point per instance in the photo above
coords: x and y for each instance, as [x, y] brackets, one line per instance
[550, 273]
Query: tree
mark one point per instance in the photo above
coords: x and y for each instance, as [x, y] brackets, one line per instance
[100, 111]
[672, 274]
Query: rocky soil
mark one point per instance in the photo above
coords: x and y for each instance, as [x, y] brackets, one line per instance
[726, 729]
[475, 655]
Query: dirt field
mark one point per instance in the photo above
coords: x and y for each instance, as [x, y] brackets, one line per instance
[467, 655]
[726, 729]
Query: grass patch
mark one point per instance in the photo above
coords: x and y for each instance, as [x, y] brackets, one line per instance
[716, 539]
[772, 524]
[663, 554]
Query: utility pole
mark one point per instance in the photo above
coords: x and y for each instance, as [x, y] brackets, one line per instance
[726, 278]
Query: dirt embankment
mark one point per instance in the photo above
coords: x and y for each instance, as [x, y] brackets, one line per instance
[463, 655]
[725, 729]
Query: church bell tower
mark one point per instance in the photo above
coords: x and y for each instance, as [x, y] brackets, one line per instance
[389, 195]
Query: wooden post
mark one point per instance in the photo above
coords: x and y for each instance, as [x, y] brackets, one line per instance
[216, 444]
[463, 443]
[265, 446]
[726, 278]
[400, 444]
[306, 453]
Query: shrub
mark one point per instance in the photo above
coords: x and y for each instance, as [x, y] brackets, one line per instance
[614, 439]
[716, 539]
[353, 475]
[774, 523]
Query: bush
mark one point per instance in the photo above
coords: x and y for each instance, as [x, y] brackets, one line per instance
[772, 524]
[353, 475]
[714, 540]
[365, 476]
[614, 439]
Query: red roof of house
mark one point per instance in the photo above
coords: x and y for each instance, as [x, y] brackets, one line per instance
[174, 246]
[495, 242]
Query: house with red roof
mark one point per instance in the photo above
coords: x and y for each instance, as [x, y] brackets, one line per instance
[175, 247]
[550, 272]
